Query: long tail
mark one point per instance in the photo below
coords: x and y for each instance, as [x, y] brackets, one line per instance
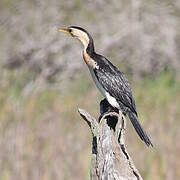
[142, 134]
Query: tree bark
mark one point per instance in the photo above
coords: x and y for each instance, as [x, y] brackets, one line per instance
[110, 159]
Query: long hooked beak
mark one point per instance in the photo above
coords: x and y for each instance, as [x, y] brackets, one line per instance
[65, 30]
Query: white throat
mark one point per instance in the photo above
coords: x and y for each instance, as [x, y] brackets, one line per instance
[84, 41]
[82, 36]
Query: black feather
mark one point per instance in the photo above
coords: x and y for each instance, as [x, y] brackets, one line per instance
[116, 84]
[142, 134]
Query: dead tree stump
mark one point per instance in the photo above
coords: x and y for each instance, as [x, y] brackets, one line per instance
[110, 159]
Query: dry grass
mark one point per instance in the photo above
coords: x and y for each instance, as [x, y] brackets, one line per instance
[42, 135]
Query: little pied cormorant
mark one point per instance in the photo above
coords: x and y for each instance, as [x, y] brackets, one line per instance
[111, 82]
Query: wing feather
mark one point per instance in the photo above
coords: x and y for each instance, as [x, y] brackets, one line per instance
[115, 83]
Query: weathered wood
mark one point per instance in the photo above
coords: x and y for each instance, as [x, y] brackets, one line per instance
[110, 159]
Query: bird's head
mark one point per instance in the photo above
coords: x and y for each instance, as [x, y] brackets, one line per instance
[80, 34]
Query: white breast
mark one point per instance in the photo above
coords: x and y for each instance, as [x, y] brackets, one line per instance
[109, 98]
[102, 90]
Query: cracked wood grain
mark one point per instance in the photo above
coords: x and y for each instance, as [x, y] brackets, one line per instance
[110, 159]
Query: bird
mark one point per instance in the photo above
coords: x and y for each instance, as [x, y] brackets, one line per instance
[110, 81]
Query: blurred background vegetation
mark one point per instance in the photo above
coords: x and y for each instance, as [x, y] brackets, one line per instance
[43, 80]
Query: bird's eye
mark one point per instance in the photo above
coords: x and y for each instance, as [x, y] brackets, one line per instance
[70, 30]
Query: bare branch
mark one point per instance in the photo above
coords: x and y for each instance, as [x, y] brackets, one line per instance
[110, 159]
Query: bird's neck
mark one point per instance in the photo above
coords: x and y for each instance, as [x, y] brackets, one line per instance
[90, 47]
[87, 42]
[88, 54]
